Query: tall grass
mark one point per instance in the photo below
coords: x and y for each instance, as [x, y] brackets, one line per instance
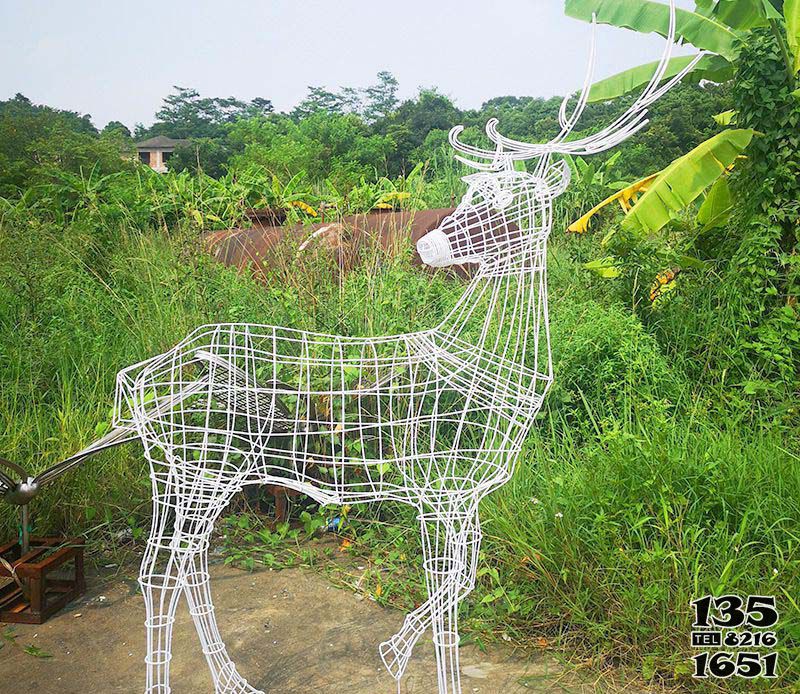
[607, 532]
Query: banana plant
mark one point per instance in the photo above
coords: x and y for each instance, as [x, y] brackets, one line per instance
[649, 204]
[685, 180]
[715, 26]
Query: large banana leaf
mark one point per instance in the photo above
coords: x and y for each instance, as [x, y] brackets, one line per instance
[742, 14]
[711, 67]
[684, 180]
[646, 17]
[716, 208]
[791, 12]
[626, 197]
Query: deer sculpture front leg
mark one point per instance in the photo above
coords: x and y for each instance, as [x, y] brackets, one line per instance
[396, 652]
[445, 553]
[450, 544]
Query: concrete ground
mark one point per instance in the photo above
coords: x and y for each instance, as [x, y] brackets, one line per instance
[288, 632]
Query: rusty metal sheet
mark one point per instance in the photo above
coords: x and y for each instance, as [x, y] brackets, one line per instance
[346, 237]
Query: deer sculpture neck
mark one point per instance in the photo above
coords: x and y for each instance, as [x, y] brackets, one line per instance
[503, 310]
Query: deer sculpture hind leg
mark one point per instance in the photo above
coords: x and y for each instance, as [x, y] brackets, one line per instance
[185, 509]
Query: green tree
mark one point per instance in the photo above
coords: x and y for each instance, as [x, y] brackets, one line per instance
[117, 127]
[260, 107]
[185, 114]
[207, 154]
[381, 98]
[410, 124]
[373, 103]
[35, 140]
[319, 100]
[322, 145]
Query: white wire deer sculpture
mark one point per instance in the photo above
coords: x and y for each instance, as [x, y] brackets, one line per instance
[434, 419]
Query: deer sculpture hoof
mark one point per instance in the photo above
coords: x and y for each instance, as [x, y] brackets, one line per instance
[394, 660]
[236, 684]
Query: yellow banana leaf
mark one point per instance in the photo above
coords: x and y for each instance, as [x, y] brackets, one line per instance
[305, 207]
[626, 198]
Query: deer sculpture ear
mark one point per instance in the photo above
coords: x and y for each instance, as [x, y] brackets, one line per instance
[558, 178]
[472, 179]
[503, 199]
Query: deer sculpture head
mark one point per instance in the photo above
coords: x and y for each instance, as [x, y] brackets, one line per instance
[506, 211]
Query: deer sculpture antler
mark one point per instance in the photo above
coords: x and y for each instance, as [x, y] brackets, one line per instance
[629, 123]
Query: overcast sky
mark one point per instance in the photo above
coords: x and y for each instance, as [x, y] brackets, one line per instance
[117, 60]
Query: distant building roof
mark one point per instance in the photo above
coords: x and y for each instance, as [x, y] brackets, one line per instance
[160, 142]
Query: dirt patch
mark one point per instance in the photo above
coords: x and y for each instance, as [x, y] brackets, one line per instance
[288, 631]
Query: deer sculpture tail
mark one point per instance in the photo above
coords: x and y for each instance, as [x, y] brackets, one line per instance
[21, 491]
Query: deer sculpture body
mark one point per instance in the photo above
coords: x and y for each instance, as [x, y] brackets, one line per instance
[434, 419]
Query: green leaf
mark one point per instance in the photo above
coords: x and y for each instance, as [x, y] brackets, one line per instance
[36, 652]
[685, 179]
[612, 160]
[726, 118]
[351, 373]
[741, 14]
[710, 67]
[716, 208]
[791, 13]
[646, 17]
[605, 267]
[689, 261]
[704, 7]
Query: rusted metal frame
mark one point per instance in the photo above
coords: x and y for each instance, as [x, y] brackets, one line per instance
[41, 595]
